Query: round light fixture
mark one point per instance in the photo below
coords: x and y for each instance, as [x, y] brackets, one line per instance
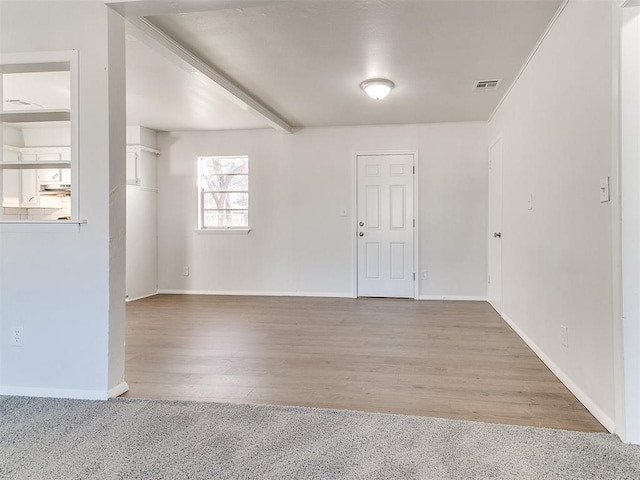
[377, 88]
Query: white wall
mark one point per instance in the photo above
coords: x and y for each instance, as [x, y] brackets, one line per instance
[557, 258]
[298, 185]
[65, 284]
[142, 229]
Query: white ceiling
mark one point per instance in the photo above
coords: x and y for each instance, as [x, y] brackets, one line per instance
[42, 90]
[306, 59]
[163, 96]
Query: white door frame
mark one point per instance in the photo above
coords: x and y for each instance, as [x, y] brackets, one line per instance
[354, 219]
[626, 234]
[489, 232]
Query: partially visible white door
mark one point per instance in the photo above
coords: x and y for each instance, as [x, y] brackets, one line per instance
[494, 288]
[385, 226]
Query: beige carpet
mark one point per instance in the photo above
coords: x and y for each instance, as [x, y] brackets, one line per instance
[122, 439]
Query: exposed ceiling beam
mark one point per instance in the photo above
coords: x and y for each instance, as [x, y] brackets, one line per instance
[168, 47]
[147, 8]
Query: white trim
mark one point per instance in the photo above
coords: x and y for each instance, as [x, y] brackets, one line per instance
[54, 393]
[36, 150]
[58, 56]
[530, 57]
[616, 224]
[627, 321]
[595, 410]
[74, 75]
[141, 297]
[254, 294]
[416, 217]
[41, 226]
[42, 222]
[354, 223]
[499, 138]
[416, 226]
[129, 8]
[463, 298]
[142, 189]
[136, 147]
[118, 390]
[224, 231]
[34, 165]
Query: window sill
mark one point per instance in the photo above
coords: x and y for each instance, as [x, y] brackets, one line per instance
[31, 226]
[42, 222]
[224, 231]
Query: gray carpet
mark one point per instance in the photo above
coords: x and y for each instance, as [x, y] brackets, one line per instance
[73, 439]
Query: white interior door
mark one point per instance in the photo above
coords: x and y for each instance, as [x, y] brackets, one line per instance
[494, 288]
[385, 226]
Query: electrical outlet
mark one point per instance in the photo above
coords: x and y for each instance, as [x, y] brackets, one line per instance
[564, 335]
[424, 275]
[16, 335]
[185, 271]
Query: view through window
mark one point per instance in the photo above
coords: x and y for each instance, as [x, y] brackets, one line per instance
[223, 185]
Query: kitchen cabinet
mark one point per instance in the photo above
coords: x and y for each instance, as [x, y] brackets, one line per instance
[39, 179]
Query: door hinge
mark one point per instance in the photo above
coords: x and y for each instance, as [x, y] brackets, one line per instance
[414, 275]
[414, 223]
[414, 170]
[488, 278]
[489, 164]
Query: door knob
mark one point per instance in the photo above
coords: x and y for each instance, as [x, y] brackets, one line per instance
[361, 234]
[498, 234]
[361, 224]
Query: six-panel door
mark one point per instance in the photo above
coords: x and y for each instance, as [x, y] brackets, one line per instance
[385, 226]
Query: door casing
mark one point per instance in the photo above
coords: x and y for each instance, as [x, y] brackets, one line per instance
[496, 303]
[416, 215]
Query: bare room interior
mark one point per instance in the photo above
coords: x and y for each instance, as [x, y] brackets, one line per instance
[398, 207]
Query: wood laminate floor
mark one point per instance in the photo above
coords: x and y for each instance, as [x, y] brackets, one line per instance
[454, 360]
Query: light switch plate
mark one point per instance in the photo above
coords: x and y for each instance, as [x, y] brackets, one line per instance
[604, 190]
[564, 335]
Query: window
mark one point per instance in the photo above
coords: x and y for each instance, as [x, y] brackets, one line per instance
[223, 192]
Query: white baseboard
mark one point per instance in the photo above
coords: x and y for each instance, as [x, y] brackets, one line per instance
[54, 393]
[163, 291]
[257, 294]
[453, 297]
[141, 297]
[118, 390]
[590, 405]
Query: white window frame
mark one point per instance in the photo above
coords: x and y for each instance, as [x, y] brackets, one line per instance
[53, 57]
[219, 230]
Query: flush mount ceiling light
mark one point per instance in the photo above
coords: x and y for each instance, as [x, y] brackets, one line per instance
[377, 88]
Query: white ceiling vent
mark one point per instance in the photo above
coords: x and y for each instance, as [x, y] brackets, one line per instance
[21, 103]
[486, 85]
